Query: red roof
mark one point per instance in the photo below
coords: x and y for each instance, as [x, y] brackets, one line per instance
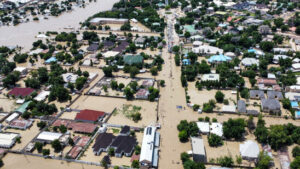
[83, 141]
[73, 153]
[89, 115]
[82, 127]
[60, 122]
[266, 81]
[229, 19]
[18, 91]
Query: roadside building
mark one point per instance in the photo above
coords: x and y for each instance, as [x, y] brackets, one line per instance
[69, 77]
[20, 124]
[11, 117]
[249, 150]
[252, 112]
[271, 106]
[89, 115]
[42, 96]
[140, 41]
[207, 50]
[199, 154]
[249, 61]
[149, 149]
[48, 137]
[241, 106]
[109, 54]
[7, 140]
[22, 109]
[148, 83]
[79, 127]
[142, 94]
[74, 152]
[228, 109]
[219, 58]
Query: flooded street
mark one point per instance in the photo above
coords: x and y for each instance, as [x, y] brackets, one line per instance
[24, 34]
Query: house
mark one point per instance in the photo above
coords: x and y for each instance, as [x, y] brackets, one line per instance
[48, 137]
[249, 150]
[228, 109]
[125, 131]
[140, 41]
[124, 145]
[217, 129]
[292, 96]
[264, 29]
[108, 44]
[11, 117]
[274, 95]
[7, 140]
[133, 59]
[271, 106]
[252, 112]
[294, 104]
[219, 58]
[199, 154]
[23, 70]
[93, 47]
[21, 92]
[186, 62]
[249, 61]
[20, 124]
[121, 47]
[74, 152]
[241, 106]
[103, 142]
[210, 77]
[109, 54]
[296, 67]
[207, 50]
[252, 21]
[297, 114]
[148, 83]
[69, 77]
[265, 83]
[100, 21]
[281, 50]
[203, 127]
[142, 94]
[79, 127]
[149, 149]
[257, 94]
[89, 115]
[42, 95]
[22, 109]
[50, 60]
[276, 58]
[197, 44]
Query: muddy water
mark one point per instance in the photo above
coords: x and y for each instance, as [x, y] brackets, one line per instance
[24, 34]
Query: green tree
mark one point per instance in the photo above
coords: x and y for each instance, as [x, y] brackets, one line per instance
[219, 96]
[38, 146]
[107, 71]
[56, 145]
[296, 163]
[214, 140]
[111, 151]
[135, 164]
[63, 129]
[263, 161]
[41, 124]
[45, 152]
[80, 81]
[183, 136]
[225, 161]
[234, 128]
[296, 151]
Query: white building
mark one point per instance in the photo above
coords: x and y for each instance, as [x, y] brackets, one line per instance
[7, 140]
[249, 62]
[22, 70]
[42, 96]
[149, 150]
[11, 117]
[70, 77]
[210, 77]
[249, 150]
[208, 50]
[199, 154]
[217, 129]
[228, 109]
[48, 137]
[109, 54]
[203, 127]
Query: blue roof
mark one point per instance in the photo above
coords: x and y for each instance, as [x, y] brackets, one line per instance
[186, 61]
[294, 104]
[298, 113]
[252, 51]
[222, 25]
[52, 59]
[219, 58]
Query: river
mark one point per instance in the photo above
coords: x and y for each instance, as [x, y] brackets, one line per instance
[24, 34]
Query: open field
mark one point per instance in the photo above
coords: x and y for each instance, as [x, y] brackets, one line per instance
[105, 104]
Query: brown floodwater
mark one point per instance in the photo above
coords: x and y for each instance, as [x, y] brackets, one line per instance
[24, 34]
